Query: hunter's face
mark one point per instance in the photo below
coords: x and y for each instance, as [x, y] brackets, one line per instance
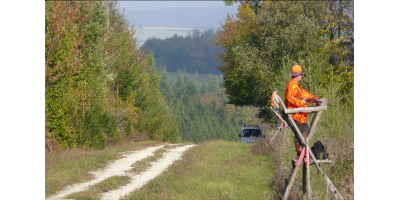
[299, 78]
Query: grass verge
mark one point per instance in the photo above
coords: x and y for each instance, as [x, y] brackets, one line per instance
[94, 192]
[66, 167]
[213, 170]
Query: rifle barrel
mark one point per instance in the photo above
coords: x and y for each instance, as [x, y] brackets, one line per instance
[318, 101]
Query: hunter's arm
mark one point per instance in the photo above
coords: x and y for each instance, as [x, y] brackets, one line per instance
[308, 95]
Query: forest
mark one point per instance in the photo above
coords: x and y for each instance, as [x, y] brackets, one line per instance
[101, 88]
[201, 108]
[195, 52]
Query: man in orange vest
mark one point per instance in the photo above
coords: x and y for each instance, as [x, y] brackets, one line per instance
[275, 107]
[296, 97]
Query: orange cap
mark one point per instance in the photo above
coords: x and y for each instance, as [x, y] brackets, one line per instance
[297, 70]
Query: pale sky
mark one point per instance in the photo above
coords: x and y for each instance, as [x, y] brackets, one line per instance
[147, 5]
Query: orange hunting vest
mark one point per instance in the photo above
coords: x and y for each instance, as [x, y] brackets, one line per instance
[293, 90]
[272, 99]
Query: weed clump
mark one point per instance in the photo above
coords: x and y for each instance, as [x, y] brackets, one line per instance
[281, 152]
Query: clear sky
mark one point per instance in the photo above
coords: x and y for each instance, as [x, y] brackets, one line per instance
[147, 5]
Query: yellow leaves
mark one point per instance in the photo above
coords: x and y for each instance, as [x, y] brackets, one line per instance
[321, 31]
[244, 11]
[339, 40]
[331, 25]
[246, 14]
[266, 3]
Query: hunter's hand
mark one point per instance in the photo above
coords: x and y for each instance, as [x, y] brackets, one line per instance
[305, 100]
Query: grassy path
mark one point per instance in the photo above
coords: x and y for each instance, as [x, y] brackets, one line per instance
[210, 170]
[73, 166]
[213, 170]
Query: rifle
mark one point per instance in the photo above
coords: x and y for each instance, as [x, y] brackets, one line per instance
[312, 99]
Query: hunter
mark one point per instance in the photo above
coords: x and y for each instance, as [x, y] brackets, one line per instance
[292, 100]
[275, 107]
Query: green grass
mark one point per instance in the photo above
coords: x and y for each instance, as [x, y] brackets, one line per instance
[67, 167]
[213, 170]
[142, 165]
[95, 191]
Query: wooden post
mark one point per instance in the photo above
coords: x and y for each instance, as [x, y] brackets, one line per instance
[315, 120]
[304, 178]
[290, 184]
[308, 175]
[308, 109]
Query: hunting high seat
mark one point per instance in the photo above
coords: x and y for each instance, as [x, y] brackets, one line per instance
[287, 115]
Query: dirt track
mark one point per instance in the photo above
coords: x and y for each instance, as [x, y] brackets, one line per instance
[121, 166]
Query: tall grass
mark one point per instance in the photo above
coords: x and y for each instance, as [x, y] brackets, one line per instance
[213, 170]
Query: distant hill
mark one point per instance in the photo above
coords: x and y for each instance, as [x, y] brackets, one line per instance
[202, 18]
[191, 53]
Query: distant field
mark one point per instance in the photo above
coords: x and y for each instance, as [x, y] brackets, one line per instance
[159, 32]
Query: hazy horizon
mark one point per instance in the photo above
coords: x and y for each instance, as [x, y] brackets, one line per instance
[153, 5]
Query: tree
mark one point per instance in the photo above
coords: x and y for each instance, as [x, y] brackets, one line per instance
[258, 46]
[267, 37]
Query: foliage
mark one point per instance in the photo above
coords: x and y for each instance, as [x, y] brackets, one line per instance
[267, 38]
[201, 108]
[192, 52]
[99, 87]
[258, 45]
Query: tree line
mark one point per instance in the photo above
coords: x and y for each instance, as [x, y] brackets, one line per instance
[195, 52]
[100, 88]
[201, 108]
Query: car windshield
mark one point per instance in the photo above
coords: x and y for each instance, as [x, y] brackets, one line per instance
[251, 132]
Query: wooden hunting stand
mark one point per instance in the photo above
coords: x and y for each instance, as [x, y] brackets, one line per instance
[287, 115]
